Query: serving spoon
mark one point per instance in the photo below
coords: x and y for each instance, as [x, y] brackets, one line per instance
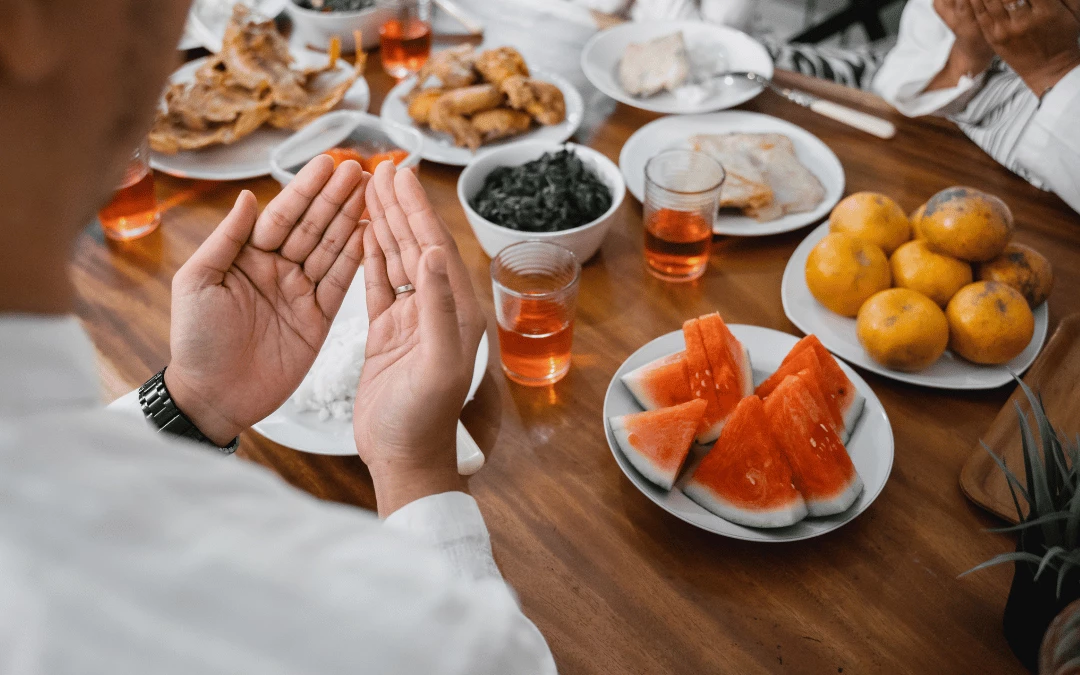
[841, 113]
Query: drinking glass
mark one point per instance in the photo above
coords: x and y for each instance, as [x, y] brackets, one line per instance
[405, 37]
[535, 285]
[682, 194]
[133, 211]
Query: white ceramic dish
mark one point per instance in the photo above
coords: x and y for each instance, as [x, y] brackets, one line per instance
[583, 241]
[367, 132]
[735, 51]
[837, 333]
[303, 431]
[207, 19]
[673, 132]
[314, 29]
[440, 148]
[871, 446]
[250, 156]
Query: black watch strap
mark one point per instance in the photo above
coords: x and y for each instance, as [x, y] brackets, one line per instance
[158, 406]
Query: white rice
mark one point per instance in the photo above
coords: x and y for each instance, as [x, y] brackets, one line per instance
[330, 386]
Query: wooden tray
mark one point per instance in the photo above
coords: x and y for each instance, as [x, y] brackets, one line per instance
[1055, 374]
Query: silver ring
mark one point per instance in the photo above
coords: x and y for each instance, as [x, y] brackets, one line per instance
[1015, 5]
[406, 288]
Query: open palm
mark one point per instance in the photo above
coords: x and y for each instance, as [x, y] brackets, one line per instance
[253, 305]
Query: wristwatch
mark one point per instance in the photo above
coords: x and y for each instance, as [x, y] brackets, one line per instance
[158, 406]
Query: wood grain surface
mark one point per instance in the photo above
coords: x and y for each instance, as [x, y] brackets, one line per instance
[614, 583]
[1053, 376]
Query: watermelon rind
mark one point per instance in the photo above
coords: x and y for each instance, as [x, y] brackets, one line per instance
[839, 503]
[747, 371]
[852, 414]
[643, 464]
[772, 518]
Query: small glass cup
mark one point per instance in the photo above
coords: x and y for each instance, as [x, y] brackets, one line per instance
[682, 194]
[535, 285]
[405, 37]
[133, 210]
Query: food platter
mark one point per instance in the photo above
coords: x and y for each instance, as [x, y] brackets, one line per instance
[668, 133]
[250, 156]
[439, 148]
[837, 333]
[870, 448]
[711, 48]
[305, 432]
[207, 19]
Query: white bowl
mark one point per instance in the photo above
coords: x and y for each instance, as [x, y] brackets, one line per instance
[368, 132]
[313, 28]
[584, 241]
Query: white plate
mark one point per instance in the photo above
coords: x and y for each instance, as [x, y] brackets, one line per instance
[870, 447]
[208, 19]
[837, 333]
[440, 148]
[250, 156]
[667, 133]
[303, 431]
[738, 52]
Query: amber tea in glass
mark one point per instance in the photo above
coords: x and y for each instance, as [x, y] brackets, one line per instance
[405, 38]
[682, 194]
[535, 285]
[133, 210]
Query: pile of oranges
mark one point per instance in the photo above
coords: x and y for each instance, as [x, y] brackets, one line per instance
[948, 276]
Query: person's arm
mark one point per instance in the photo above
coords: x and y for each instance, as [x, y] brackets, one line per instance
[1050, 145]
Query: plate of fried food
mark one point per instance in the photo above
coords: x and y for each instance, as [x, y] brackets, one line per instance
[222, 116]
[464, 101]
[778, 176]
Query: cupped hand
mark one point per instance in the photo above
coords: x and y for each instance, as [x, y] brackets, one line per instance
[421, 344]
[971, 53]
[253, 305]
[1037, 38]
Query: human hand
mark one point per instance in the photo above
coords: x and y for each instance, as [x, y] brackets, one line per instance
[420, 348]
[1037, 38]
[253, 305]
[970, 54]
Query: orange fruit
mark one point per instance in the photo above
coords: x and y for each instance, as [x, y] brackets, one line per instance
[936, 276]
[902, 329]
[915, 219]
[872, 217]
[967, 223]
[1023, 268]
[989, 322]
[842, 272]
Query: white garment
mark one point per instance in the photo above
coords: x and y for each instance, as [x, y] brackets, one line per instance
[1040, 142]
[127, 552]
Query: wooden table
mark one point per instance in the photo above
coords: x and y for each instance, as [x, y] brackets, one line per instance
[615, 584]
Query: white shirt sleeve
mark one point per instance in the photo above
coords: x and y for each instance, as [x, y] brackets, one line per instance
[921, 51]
[1050, 146]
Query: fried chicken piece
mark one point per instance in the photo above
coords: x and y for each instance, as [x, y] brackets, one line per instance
[458, 126]
[543, 100]
[470, 100]
[453, 67]
[257, 56]
[495, 65]
[170, 134]
[420, 104]
[500, 123]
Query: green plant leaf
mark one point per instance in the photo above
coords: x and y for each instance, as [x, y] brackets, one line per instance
[1012, 481]
[1002, 558]
[1048, 518]
[1048, 559]
[1072, 526]
[1037, 483]
[1062, 572]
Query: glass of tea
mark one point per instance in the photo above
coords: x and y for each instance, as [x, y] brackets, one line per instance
[535, 285]
[405, 37]
[133, 210]
[682, 194]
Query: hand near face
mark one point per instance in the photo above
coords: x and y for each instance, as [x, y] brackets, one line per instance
[971, 52]
[1037, 38]
[253, 305]
[421, 344]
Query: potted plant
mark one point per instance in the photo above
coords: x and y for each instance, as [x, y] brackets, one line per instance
[1047, 556]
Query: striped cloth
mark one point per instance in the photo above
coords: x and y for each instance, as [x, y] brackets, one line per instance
[852, 67]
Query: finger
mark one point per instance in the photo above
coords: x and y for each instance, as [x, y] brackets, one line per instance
[319, 261]
[993, 15]
[280, 215]
[396, 218]
[333, 287]
[380, 292]
[395, 267]
[440, 336]
[308, 232]
[1073, 6]
[216, 255]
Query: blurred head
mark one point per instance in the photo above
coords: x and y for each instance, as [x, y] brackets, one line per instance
[78, 84]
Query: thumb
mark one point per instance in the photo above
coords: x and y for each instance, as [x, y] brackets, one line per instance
[211, 260]
[440, 338]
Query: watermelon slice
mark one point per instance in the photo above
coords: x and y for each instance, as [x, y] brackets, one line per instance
[702, 384]
[799, 421]
[730, 361]
[660, 384]
[805, 364]
[834, 383]
[745, 478]
[657, 441]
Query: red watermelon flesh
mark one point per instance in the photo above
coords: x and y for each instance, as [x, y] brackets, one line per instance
[730, 361]
[702, 384]
[799, 421]
[661, 383]
[657, 442]
[805, 363]
[834, 383]
[745, 478]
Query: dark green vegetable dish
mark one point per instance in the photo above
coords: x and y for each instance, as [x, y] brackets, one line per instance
[554, 193]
